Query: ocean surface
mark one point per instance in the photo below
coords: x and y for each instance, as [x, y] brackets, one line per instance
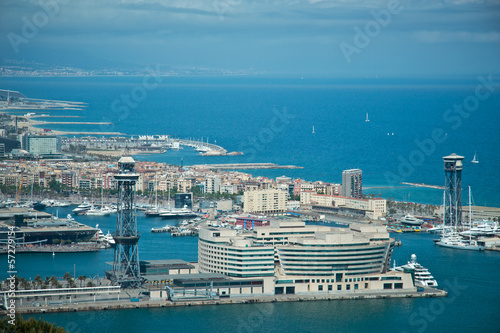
[412, 125]
[271, 120]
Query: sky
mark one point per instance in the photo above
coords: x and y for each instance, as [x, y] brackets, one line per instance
[338, 38]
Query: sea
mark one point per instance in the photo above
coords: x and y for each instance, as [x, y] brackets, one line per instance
[412, 125]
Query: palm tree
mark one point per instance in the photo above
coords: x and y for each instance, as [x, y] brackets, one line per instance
[68, 278]
[82, 278]
[53, 281]
[38, 281]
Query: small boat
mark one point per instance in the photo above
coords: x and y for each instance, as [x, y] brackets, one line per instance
[313, 130]
[422, 276]
[367, 120]
[474, 160]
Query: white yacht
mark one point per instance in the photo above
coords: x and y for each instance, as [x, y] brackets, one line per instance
[482, 228]
[422, 276]
[440, 229]
[183, 213]
[101, 237]
[81, 209]
[103, 211]
[411, 221]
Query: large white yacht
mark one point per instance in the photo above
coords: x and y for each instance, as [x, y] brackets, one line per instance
[182, 213]
[411, 220]
[81, 209]
[423, 278]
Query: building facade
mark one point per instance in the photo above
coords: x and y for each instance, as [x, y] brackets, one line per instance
[352, 183]
[269, 201]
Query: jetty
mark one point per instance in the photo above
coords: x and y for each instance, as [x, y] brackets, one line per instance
[438, 187]
[243, 166]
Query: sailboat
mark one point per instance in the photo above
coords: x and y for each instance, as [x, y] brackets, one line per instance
[367, 120]
[313, 130]
[474, 160]
[453, 240]
[154, 212]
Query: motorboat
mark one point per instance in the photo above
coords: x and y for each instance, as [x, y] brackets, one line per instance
[411, 221]
[82, 208]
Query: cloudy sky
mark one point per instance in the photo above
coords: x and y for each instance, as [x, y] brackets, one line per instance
[278, 37]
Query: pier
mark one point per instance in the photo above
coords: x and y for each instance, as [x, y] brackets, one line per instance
[424, 185]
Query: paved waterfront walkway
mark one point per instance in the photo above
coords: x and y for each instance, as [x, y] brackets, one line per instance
[127, 297]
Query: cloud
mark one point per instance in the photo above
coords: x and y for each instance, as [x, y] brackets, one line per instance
[427, 36]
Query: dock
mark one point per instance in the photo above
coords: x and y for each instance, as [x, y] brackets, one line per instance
[125, 301]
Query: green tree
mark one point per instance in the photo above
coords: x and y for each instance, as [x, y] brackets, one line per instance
[38, 281]
[29, 325]
[82, 278]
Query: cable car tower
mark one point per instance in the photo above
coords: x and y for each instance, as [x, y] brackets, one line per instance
[453, 166]
[126, 270]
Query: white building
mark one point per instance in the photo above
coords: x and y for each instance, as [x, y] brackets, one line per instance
[372, 208]
[304, 258]
[212, 184]
[270, 201]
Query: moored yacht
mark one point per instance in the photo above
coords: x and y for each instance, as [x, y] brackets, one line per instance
[411, 221]
[81, 209]
[422, 276]
[183, 213]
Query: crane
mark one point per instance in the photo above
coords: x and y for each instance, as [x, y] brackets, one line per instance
[19, 189]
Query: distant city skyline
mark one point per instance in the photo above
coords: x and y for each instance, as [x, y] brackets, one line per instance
[301, 38]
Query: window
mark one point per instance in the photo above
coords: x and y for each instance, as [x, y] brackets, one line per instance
[339, 287]
[356, 286]
[330, 287]
[387, 285]
[322, 280]
[398, 286]
[320, 287]
[366, 285]
[348, 287]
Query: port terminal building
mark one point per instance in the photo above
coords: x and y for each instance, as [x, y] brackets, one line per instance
[290, 257]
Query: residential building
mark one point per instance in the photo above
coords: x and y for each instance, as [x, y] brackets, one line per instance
[352, 183]
[269, 201]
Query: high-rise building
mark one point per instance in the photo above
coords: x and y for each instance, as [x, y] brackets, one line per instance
[352, 183]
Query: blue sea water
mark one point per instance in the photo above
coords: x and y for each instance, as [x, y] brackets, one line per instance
[238, 113]
[271, 120]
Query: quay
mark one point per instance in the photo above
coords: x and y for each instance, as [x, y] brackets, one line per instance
[127, 300]
[73, 248]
